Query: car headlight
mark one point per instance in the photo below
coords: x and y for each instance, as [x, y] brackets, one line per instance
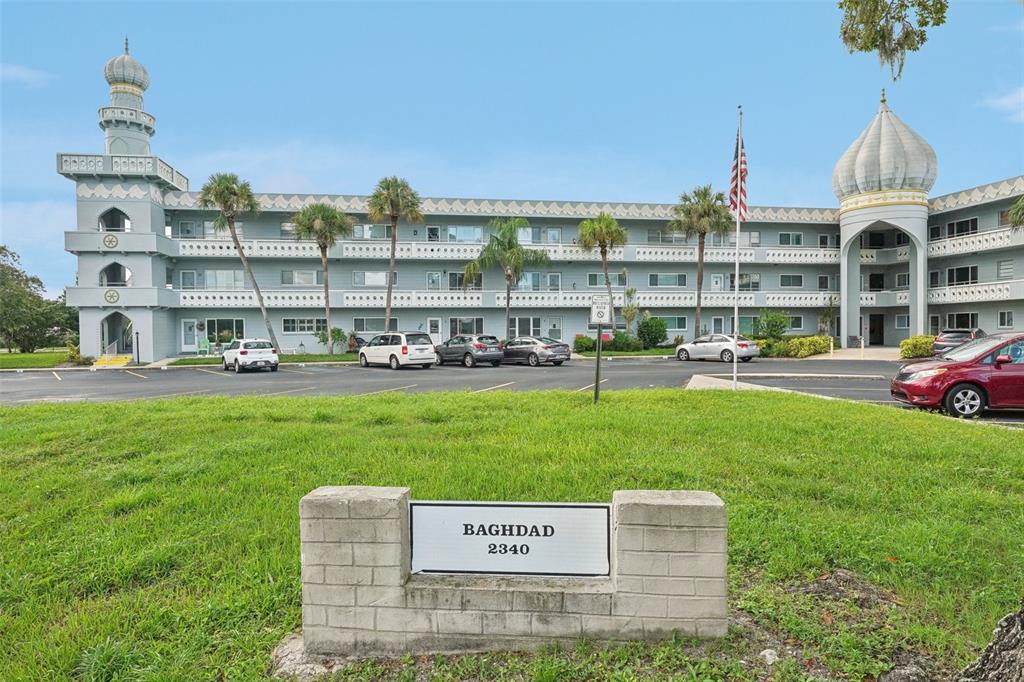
[918, 376]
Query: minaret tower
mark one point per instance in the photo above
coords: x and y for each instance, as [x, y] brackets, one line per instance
[127, 127]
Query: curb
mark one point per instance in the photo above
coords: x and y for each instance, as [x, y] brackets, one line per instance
[787, 375]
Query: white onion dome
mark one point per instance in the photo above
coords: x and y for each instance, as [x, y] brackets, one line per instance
[126, 69]
[888, 155]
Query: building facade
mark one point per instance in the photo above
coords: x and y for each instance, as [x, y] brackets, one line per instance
[155, 279]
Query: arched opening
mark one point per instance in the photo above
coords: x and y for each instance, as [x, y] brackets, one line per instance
[116, 334]
[115, 220]
[115, 275]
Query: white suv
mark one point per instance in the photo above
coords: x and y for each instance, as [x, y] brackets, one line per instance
[398, 350]
[250, 354]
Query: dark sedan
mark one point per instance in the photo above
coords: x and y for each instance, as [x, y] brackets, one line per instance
[536, 350]
[949, 339]
[469, 349]
[981, 374]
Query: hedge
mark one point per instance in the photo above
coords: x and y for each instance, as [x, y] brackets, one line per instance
[917, 347]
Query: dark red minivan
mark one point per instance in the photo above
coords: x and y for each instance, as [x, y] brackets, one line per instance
[986, 373]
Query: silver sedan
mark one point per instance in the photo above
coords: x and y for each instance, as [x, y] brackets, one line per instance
[717, 347]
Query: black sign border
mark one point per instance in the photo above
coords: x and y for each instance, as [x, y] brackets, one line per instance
[535, 505]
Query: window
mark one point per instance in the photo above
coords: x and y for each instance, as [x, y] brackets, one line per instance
[1004, 269]
[554, 281]
[433, 233]
[748, 324]
[529, 235]
[596, 279]
[375, 278]
[304, 325]
[791, 238]
[822, 241]
[789, 281]
[465, 325]
[530, 281]
[188, 279]
[968, 226]
[288, 230]
[224, 331]
[457, 280]
[674, 324]
[933, 325]
[523, 326]
[824, 283]
[667, 280]
[935, 232]
[1004, 218]
[902, 239]
[1005, 319]
[967, 274]
[902, 280]
[187, 229]
[210, 228]
[555, 328]
[302, 277]
[433, 281]
[224, 279]
[717, 325]
[903, 321]
[554, 237]
[876, 240]
[752, 238]
[749, 281]
[933, 279]
[372, 324]
[372, 232]
[465, 234]
[961, 320]
[796, 322]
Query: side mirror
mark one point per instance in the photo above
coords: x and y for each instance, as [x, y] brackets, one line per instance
[1003, 360]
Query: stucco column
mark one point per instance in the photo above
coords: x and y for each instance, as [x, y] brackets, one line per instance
[849, 292]
[918, 287]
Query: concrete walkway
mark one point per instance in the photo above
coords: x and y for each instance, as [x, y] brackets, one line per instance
[700, 382]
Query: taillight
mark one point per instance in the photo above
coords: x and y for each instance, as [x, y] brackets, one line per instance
[243, 352]
[274, 350]
[548, 347]
[741, 345]
[405, 350]
[479, 346]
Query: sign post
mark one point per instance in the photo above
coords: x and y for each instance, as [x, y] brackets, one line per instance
[600, 305]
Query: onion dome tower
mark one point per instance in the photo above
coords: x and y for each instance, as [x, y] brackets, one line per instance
[127, 127]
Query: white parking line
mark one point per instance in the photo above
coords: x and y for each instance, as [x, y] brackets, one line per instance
[583, 388]
[56, 376]
[292, 390]
[492, 388]
[135, 374]
[210, 371]
[388, 390]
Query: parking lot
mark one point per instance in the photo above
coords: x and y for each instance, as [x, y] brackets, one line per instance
[856, 380]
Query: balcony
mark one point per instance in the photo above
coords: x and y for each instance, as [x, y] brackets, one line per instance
[979, 241]
[119, 242]
[121, 297]
[982, 291]
[121, 166]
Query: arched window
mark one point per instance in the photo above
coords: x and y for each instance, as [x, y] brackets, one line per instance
[115, 275]
[115, 220]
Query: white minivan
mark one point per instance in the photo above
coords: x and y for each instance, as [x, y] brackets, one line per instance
[398, 350]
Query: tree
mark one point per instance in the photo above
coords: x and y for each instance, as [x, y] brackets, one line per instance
[232, 198]
[630, 310]
[21, 300]
[504, 251]
[701, 212]
[603, 233]
[1017, 214]
[392, 199]
[772, 324]
[652, 330]
[323, 224]
[890, 28]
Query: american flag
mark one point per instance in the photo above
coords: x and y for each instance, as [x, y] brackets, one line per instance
[738, 184]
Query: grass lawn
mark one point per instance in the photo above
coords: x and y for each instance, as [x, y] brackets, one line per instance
[159, 539]
[616, 353]
[30, 360]
[285, 359]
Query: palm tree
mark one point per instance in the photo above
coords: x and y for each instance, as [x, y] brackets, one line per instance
[1017, 214]
[323, 224]
[233, 197]
[392, 199]
[504, 251]
[603, 233]
[630, 310]
[701, 213]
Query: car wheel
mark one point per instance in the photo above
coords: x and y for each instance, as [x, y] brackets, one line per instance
[557, 363]
[468, 360]
[225, 365]
[238, 368]
[965, 400]
[427, 366]
[533, 360]
[495, 363]
[726, 356]
[393, 362]
[683, 355]
[438, 360]
[363, 362]
[746, 359]
[273, 368]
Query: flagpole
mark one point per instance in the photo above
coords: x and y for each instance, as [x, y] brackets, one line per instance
[736, 285]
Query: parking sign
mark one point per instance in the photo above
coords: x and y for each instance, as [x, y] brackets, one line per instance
[599, 305]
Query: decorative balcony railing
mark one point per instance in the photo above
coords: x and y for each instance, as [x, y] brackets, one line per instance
[121, 165]
[983, 291]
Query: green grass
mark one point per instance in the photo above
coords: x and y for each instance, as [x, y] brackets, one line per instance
[159, 539]
[31, 360]
[285, 359]
[625, 353]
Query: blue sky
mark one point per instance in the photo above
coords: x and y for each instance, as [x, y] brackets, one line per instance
[585, 101]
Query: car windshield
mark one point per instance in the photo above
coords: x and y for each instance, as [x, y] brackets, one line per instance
[418, 340]
[973, 349]
[258, 345]
[547, 339]
[487, 339]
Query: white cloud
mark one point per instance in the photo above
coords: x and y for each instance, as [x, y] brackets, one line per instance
[35, 231]
[24, 75]
[1011, 104]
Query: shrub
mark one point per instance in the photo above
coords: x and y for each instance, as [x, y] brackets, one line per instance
[583, 344]
[807, 346]
[774, 348]
[917, 347]
[625, 342]
[652, 331]
[773, 324]
[75, 356]
[679, 339]
[337, 336]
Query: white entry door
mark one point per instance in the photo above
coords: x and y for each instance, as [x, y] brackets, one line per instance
[434, 329]
[189, 339]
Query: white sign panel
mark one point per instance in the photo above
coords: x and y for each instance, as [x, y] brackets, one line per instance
[599, 305]
[510, 538]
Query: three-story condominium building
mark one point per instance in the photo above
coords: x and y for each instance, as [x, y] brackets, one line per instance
[156, 279]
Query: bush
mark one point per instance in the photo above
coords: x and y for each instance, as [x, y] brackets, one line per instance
[917, 347]
[678, 340]
[583, 344]
[808, 345]
[75, 356]
[625, 342]
[652, 331]
[773, 324]
[774, 348]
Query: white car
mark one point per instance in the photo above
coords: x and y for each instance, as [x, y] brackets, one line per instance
[718, 347]
[250, 354]
[398, 350]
